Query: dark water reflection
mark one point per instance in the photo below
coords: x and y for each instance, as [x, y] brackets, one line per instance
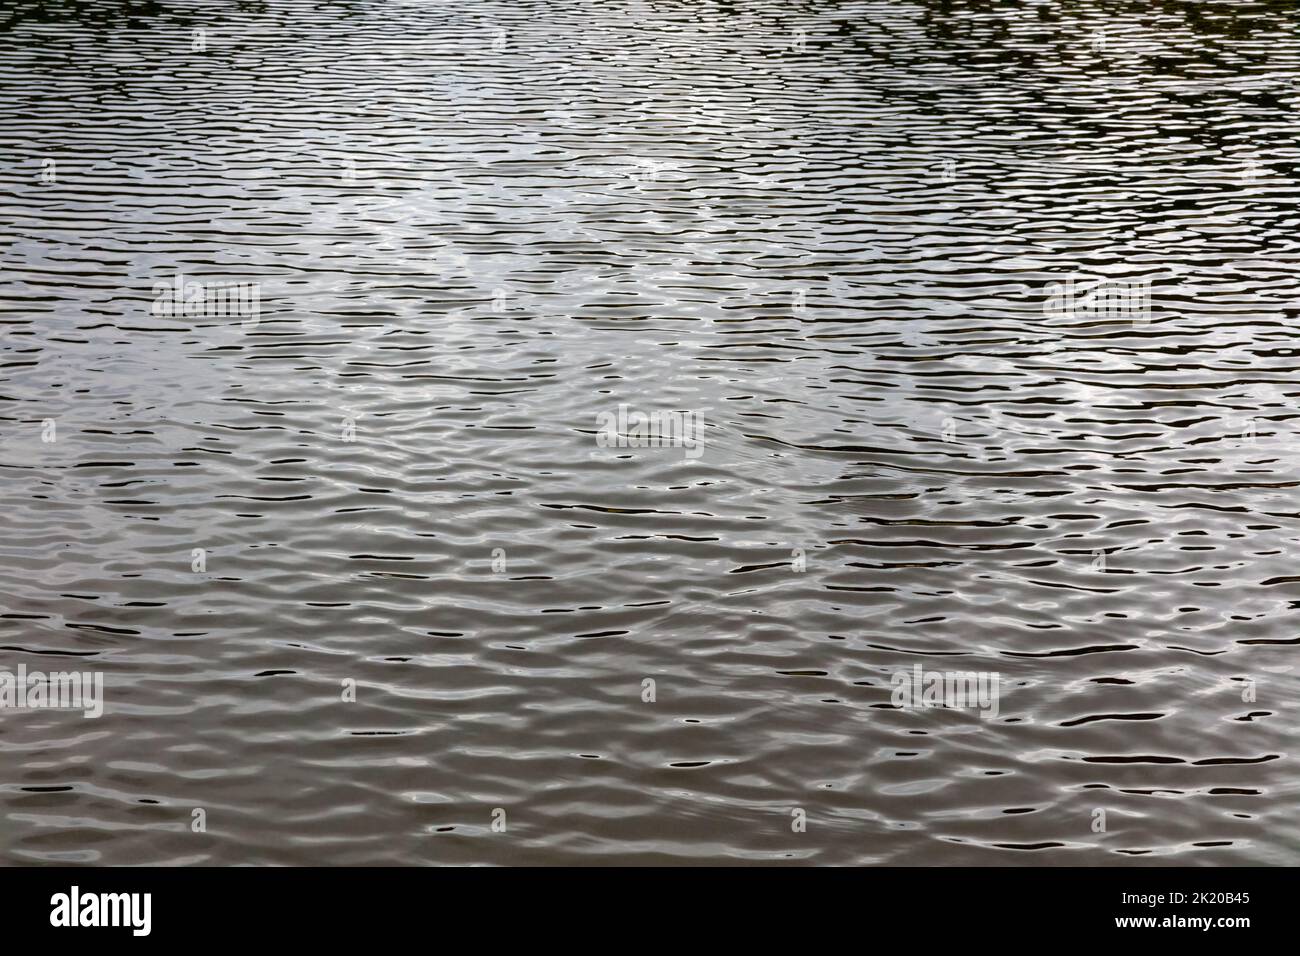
[829, 229]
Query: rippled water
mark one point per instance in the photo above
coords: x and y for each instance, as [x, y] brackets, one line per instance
[826, 228]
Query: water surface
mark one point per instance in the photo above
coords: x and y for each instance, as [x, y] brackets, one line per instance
[825, 227]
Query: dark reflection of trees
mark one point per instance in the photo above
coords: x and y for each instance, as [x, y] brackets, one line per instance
[1191, 40]
[132, 13]
[79, 11]
[948, 19]
[945, 18]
